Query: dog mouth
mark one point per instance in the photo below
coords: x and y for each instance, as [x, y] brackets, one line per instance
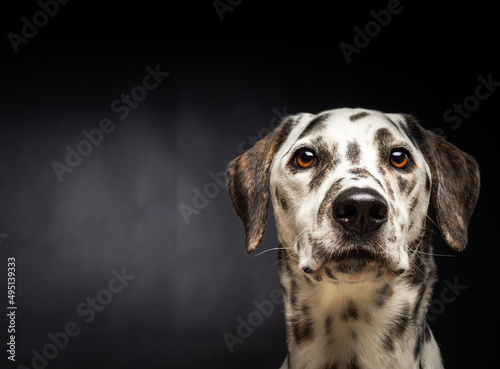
[356, 261]
[351, 264]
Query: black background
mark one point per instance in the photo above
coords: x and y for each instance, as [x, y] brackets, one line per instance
[229, 81]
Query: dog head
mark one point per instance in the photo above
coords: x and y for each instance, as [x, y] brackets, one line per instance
[351, 189]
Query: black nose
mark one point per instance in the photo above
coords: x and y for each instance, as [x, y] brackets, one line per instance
[360, 210]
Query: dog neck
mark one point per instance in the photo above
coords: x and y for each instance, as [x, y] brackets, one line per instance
[334, 324]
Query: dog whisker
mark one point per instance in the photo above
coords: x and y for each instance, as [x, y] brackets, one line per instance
[282, 259]
[432, 221]
[273, 249]
[432, 254]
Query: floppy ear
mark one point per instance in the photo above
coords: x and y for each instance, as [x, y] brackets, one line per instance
[455, 186]
[247, 180]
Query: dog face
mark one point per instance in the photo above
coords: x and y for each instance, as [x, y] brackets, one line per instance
[350, 191]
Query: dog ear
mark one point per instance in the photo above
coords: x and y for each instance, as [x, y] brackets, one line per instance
[247, 180]
[455, 186]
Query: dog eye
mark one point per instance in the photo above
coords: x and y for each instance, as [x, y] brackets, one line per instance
[305, 158]
[400, 158]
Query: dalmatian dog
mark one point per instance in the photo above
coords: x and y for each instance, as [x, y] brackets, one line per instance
[351, 190]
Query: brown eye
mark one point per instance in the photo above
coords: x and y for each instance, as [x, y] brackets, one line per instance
[305, 158]
[400, 158]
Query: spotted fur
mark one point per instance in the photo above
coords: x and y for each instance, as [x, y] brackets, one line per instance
[352, 299]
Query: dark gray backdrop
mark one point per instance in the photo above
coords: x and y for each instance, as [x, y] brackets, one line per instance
[147, 202]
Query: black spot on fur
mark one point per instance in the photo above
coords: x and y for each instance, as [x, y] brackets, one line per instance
[329, 273]
[351, 311]
[412, 131]
[427, 183]
[419, 264]
[357, 116]
[353, 363]
[383, 295]
[418, 346]
[427, 333]
[281, 200]
[424, 336]
[416, 277]
[353, 152]
[400, 324]
[318, 248]
[412, 183]
[283, 258]
[327, 159]
[389, 188]
[397, 328]
[315, 124]
[394, 124]
[363, 173]
[388, 343]
[383, 140]
[414, 202]
[306, 278]
[302, 326]
[294, 294]
[328, 324]
[359, 172]
[328, 199]
[403, 183]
